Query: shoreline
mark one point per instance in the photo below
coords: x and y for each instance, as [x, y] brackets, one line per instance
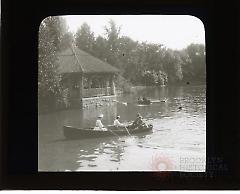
[132, 89]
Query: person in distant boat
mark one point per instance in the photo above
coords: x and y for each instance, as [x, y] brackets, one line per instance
[145, 100]
[116, 122]
[99, 125]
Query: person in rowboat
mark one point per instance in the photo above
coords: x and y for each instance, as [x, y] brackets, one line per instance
[116, 122]
[99, 125]
[138, 122]
[141, 123]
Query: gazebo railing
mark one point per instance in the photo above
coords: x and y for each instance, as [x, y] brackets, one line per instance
[94, 92]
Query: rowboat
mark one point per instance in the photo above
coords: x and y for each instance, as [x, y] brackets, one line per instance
[148, 102]
[71, 132]
[144, 102]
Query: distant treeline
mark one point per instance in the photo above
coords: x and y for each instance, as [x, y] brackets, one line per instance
[141, 63]
[144, 63]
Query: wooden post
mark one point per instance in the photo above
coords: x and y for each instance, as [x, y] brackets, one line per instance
[81, 87]
[89, 82]
[89, 86]
[69, 83]
[106, 85]
[112, 85]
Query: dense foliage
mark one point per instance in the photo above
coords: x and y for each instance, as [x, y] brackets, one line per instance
[53, 37]
[144, 63]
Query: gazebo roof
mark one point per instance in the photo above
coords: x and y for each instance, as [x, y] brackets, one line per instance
[74, 60]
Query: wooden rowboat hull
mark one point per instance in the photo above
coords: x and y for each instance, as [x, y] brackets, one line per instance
[144, 102]
[79, 133]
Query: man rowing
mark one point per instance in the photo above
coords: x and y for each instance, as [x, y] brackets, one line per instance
[138, 122]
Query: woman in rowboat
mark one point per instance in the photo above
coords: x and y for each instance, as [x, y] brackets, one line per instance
[99, 126]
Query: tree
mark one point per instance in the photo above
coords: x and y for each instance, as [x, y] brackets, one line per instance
[66, 41]
[127, 56]
[100, 48]
[58, 28]
[112, 33]
[48, 78]
[84, 38]
[172, 65]
[197, 64]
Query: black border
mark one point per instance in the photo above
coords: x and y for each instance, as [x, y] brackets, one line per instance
[19, 135]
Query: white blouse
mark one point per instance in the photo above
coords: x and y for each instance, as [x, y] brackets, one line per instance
[117, 123]
[99, 124]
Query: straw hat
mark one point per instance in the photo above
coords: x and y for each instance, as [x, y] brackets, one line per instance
[100, 116]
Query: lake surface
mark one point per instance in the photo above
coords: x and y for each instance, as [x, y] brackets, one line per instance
[177, 142]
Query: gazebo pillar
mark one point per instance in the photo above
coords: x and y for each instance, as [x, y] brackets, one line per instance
[70, 87]
[106, 82]
[112, 85]
[89, 83]
[81, 87]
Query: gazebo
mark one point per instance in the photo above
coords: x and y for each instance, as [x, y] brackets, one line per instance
[87, 79]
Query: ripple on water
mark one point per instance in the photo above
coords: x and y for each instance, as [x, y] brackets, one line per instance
[107, 151]
[162, 129]
[92, 165]
[80, 163]
[109, 146]
[147, 146]
[115, 160]
[88, 157]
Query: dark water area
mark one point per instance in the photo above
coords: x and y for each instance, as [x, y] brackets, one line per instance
[177, 142]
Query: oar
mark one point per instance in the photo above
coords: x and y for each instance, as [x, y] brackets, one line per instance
[116, 135]
[113, 132]
[128, 131]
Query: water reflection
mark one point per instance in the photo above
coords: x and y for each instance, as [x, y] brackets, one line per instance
[177, 132]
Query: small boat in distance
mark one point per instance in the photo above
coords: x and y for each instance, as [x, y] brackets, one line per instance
[80, 133]
[158, 101]
[144, 101]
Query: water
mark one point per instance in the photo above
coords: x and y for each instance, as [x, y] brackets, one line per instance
[178, 140]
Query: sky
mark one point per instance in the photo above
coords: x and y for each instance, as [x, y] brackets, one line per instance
[173, 31]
